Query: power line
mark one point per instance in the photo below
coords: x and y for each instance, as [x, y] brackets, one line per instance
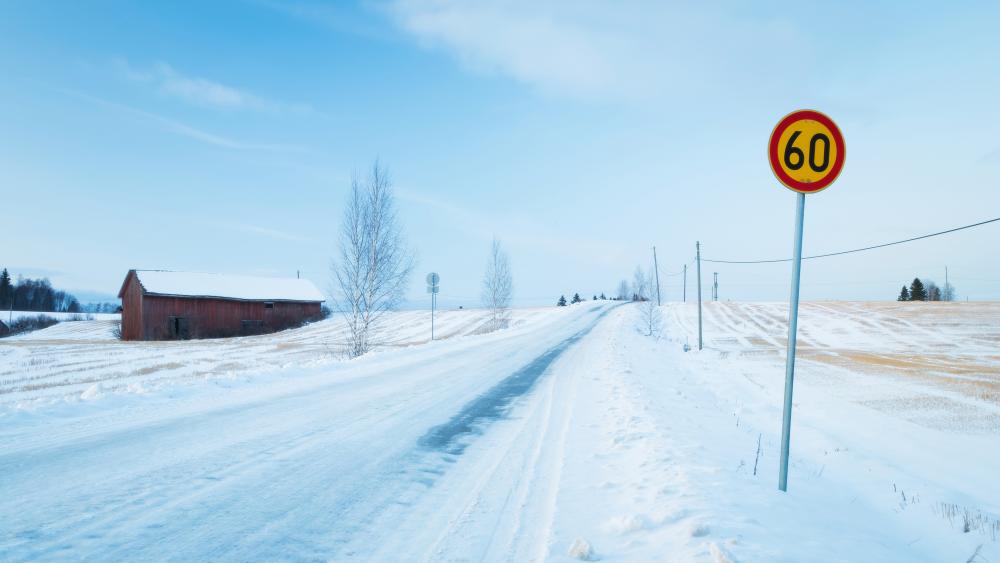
[855, 249]
[681, 271]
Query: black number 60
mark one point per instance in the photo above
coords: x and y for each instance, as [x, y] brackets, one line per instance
[791, 150]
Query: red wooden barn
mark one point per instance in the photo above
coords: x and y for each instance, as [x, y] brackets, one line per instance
[162, 305]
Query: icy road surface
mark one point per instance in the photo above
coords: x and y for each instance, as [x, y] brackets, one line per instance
[350, 464]
[569, 437]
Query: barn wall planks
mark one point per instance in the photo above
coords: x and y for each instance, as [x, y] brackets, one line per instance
[214, 318]
[159, 317]
[131, 296]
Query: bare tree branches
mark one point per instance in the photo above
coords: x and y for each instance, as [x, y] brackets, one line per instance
[640, 285]
[650, 316]
[498, 287]
[373, 269]
[624, 292]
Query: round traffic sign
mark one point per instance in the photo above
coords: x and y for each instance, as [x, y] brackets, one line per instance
[806, 151]
[433, 278]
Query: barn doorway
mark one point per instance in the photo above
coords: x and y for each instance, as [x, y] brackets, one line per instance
[250, 327]
[179, 328]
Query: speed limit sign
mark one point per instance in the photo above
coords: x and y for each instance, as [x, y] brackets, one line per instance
[806, 151]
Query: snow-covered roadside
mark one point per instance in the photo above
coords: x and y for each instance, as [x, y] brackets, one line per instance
[633, 450]
[675, 458]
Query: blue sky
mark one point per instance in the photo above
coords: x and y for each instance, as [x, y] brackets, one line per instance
[221, 136]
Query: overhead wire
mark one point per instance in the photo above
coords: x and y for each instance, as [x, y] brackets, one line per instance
[853, 250]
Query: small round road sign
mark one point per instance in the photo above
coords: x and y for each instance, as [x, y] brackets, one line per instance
[806, 151]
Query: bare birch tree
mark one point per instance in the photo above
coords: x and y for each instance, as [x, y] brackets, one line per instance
[640, 285]
[948, 292]
[371, 274]
[624, 293]
[498, 287]
[650, 316]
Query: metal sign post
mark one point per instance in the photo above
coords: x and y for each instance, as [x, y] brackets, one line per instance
[806, 152]
[433, 288]
[793, 325]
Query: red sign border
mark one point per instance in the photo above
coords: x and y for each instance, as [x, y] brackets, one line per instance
[773, 158]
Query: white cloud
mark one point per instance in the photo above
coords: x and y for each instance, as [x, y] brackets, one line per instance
[635, 50]
[185, 130]
[529, 45]
[201, 91]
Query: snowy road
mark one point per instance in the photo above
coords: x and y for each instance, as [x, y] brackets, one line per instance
[350, 465]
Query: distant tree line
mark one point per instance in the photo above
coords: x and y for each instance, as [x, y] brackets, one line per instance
[639, 289]
[929, 291]
[116, 308]
[35, 295]
[577, 299]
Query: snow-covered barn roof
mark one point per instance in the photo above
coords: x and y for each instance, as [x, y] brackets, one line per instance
[225, 286]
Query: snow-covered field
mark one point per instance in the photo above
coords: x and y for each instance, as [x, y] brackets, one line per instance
[568, 436]
[895, 435]
[81, 359]
[11, 316]
[937, 364]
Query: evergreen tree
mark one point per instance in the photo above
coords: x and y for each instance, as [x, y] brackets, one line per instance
[917, 291]
[904, 294]
[6, 289]
[562, 301]
[595, 297]
[576, 298]
[603, 298]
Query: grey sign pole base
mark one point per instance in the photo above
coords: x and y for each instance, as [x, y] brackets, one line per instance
[793, 322]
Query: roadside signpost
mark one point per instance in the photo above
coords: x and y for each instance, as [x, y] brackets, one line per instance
[806, 152]
[433, 288]
[697, 257]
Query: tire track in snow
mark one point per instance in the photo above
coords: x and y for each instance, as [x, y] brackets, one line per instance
[442, 448]
[495, 403]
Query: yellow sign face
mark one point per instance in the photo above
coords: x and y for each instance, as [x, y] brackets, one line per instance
[806, 151]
